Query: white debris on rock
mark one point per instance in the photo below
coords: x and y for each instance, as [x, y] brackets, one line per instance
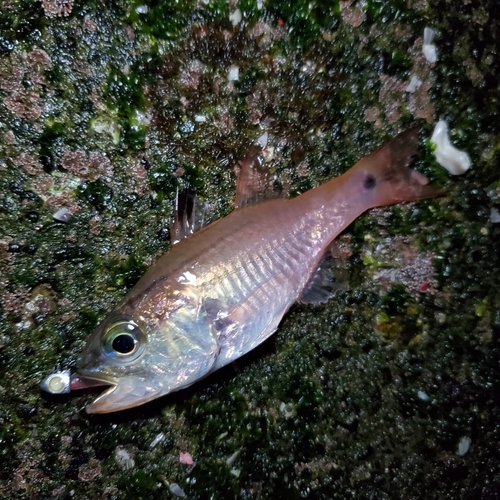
[287, 409]
[428, 49]
[423, 396]
[200, 118]
[463, 446]
[452, 159]
[177, 490]
[232, 459]
[235, 17]
[142, 9]
[262, 140]
[234, 73]
[414, 84]
[158, 439]
[123, 458]
[494, 216]
[62, 215]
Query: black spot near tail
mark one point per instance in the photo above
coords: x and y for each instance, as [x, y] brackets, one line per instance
[369, 182]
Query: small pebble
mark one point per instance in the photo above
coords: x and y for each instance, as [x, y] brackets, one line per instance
[62, 215]
[177, 490]
[494, 216]
[422, 396]
[463, 446]
[234, 73]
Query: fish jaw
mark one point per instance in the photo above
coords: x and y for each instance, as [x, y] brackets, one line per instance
[124, 394]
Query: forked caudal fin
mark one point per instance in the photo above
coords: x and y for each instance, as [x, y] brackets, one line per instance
[386, 174]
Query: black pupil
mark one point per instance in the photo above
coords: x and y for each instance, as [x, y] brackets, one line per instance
[123, 344]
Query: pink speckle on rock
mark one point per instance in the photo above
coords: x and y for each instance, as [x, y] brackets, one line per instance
[186, 458]
[91, 166]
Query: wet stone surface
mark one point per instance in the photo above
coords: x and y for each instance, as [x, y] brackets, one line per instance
[390, 390]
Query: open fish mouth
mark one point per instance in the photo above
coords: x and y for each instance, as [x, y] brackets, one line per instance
[118, 395]
[78, 382]
[101, 403]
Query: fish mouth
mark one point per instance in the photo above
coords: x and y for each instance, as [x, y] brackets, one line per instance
[123, 393]
[101, 404]
[79, 382]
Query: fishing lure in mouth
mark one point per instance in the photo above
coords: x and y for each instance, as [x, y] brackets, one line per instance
[220, 292]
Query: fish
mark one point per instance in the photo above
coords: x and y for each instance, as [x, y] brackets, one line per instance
[223, 290]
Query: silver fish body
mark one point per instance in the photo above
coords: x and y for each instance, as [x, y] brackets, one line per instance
[221, 292]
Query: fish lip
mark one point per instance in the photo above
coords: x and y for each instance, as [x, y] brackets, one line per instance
[95, 406]
[82, 380]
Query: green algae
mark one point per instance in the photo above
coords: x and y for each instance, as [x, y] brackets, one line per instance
[367, 395]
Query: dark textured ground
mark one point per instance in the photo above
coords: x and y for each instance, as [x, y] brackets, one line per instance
[388, 391]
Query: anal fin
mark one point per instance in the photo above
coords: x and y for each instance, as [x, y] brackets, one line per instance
[329, 278]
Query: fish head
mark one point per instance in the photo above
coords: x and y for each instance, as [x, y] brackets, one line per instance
[117, 353]
[142, 360]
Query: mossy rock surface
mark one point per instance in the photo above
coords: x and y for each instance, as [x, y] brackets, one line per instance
[389, 390]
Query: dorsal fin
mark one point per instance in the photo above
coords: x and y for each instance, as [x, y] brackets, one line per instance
[189, 215]
[329, 278]
[254, 183]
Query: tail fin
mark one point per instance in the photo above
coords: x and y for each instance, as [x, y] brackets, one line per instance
[386, 174]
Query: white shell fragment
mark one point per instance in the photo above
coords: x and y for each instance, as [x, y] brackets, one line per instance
[428, 49]
[423, 396]
[494, 216]
[158, 439]
[232, 459]
[235, 17]
[62, 215]
[234, 73]
[57, 383]
[262, 140]
[452, 159]
[177, 490]
[414, 84]
[463, 446]
[123, 458]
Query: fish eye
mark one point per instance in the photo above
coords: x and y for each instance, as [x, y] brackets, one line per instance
[124, 343]
[123, 340]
